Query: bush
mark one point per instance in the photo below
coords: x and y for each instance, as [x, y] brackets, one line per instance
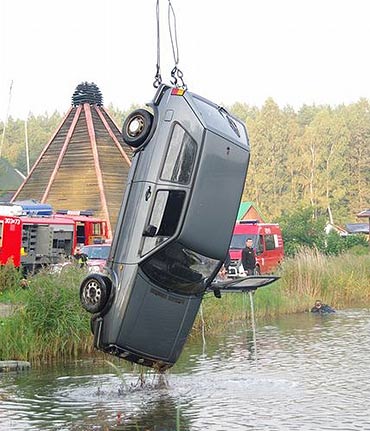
[336, 244]
[300, 229]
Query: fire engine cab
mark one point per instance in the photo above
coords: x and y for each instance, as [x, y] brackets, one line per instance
[88, 229]
[10, 227]
[267, 243]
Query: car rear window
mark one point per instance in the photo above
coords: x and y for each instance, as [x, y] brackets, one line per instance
[96, 252]
[180, 157]
[179, 269]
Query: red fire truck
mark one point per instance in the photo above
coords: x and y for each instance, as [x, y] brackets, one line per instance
[88, 229]
[10, 240]
[33, 241]
[267, 243]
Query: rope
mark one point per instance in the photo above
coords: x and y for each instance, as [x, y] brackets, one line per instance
[158, 78]
[176, 74]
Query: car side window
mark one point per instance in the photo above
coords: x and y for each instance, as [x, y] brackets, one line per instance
[180, 157]
[259, 246]
[164, 219]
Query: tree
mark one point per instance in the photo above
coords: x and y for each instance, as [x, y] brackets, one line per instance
[300, 229]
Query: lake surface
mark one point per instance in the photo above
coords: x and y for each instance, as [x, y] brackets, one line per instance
[309, 373]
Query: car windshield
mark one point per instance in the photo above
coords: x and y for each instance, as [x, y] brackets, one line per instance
[238, 240]
[96, 251]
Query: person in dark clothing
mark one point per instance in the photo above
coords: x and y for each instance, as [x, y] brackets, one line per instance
[321, 308]
[249, 257]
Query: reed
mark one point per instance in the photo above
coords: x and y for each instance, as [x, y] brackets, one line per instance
[341, 281]
[10, 276]
[50, 324]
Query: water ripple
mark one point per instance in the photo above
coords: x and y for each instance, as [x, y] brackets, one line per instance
[310, 374]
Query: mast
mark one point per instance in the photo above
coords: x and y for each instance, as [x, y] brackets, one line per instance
[6, 118]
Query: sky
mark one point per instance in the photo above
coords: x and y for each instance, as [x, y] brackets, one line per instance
[295, 51]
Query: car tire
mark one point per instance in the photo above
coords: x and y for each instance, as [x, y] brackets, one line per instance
[257, 271]
[94, 292]
[136, 127]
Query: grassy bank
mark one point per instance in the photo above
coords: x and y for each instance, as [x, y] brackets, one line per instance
[49, 322]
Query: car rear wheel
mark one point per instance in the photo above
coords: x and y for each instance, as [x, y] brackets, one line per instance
[136, 127]
[94, 292]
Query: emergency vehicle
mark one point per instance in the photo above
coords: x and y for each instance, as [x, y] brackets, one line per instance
[10, 240]
[88, 229]
[35, 241]
[267, 243]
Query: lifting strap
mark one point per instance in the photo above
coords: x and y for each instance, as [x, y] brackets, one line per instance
[176, 74]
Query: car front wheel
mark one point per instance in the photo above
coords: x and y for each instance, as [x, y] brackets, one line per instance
[136, 127]
[94, 292]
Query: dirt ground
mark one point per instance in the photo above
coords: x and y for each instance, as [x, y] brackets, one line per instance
[6, 310]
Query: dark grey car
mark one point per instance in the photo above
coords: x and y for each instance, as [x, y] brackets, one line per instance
[174, 227]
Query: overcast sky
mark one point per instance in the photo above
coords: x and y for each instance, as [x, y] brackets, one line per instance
[295, 51]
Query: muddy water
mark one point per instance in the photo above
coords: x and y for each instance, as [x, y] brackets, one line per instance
[311, 373]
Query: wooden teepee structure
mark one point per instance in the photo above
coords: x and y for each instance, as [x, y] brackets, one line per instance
[85, 164]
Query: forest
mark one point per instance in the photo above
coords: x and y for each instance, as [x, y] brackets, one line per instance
[317, 157]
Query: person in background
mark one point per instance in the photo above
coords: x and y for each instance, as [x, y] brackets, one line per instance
[249, 257]
[80, 257]
[321, 308]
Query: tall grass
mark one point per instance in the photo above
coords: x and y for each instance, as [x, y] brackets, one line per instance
[10, 276]
[342, 281]
[50, 323]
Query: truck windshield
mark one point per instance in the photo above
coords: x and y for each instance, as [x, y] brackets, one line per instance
[238, 240]
[179, 269]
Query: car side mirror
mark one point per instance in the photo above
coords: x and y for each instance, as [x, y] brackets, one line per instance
[150, 230]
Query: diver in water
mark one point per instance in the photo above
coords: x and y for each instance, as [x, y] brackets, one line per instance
[321, 308]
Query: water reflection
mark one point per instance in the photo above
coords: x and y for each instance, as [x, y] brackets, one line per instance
[311, 374]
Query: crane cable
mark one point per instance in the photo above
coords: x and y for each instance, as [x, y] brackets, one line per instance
[158, 78]
[176, 74]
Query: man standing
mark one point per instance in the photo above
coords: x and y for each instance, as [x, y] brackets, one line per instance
[248, 257]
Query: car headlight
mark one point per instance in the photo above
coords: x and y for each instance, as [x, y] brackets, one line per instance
[94, 268]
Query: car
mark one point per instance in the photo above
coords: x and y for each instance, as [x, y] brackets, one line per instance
[97, 255]
[267, 242]
[174, 227]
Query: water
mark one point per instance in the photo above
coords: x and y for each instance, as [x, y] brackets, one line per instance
[311, 373]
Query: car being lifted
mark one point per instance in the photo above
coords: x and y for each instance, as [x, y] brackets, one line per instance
[174, 227]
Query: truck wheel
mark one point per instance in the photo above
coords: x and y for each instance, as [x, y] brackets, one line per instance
[94, 292]
[136, 127]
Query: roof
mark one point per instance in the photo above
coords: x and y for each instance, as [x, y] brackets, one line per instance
[10, 179]
[245, 207]
[357, 227]
[85, 164]
[364, 213]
